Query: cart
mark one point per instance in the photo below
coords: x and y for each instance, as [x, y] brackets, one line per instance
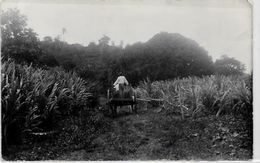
[114, 101]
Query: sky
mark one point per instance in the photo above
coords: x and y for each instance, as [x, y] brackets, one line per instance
[219, 26]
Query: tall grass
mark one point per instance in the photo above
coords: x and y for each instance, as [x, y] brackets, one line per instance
[210, 94]
[33, 99]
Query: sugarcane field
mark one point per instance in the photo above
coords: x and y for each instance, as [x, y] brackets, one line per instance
[126, 81]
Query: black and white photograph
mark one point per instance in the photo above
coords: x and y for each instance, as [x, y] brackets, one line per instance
[127, 80]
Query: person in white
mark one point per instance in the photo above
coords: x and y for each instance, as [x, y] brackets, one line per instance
[120, 82]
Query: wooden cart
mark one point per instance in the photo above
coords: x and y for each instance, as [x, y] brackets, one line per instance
[114, 101]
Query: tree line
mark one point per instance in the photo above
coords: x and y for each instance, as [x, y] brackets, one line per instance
[164, 56]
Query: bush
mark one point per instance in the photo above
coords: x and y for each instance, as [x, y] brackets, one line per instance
[33, 99]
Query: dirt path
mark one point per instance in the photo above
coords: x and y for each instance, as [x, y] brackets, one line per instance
[150, 135]
[132, 137]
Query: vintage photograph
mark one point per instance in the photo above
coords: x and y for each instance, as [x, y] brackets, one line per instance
[129, 80]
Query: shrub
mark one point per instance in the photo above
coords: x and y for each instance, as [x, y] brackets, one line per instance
[33, 98]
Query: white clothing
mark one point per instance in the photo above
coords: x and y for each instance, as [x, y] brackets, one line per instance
[116, 87]
[120, 80]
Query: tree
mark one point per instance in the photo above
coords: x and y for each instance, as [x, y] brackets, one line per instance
[18, 41]
[104, 40]
[47, 57]
[166, 56]
[229, 66]
[47, 39]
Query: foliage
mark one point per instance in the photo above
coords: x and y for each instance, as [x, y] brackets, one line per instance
[210, 94]
[18, 41]
[229, 66]
[33, 99]
[164, 56]
[38, 99]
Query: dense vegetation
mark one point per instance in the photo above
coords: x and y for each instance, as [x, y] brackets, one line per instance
[202, 96]
[34, 100]
[50, 85]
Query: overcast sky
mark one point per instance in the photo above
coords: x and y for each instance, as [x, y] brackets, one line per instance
[221, 27]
